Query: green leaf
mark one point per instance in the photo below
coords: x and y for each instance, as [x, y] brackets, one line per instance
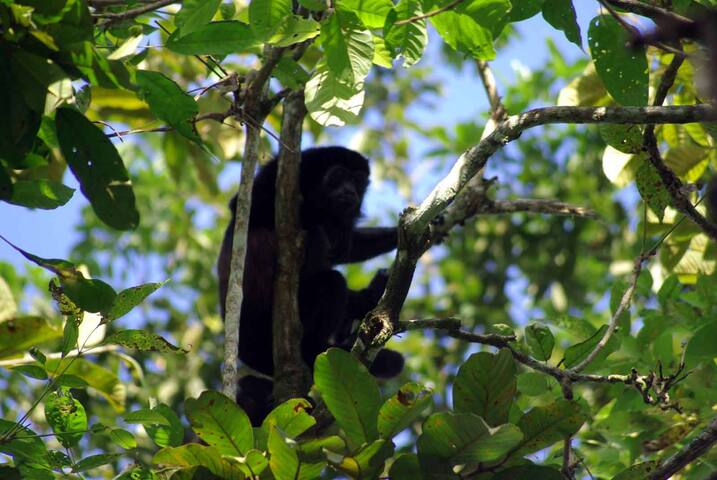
[485, 385]
[350, 393]
[535, 383]
[98, 167]
[70, 334]
[450, 439]
[143, 341]
[266, 15]
[623, 70]
[544, 426]
[702, 345]
[540, 341]
[216, 38]
[410, 39]
[194, 455]
[463, 34]
[372, 13]
[221, 423]
[33, 371]
[561, 15]
[166, 435]
[25, 447]
[348, 46]
[490, 14]
[284, 461]
[290, 73]
[404, 407]
[652, 190]
[406, 467]
[89, 294]
[578, 352]
[94, 461]
[290, 417]
[40, 193]
[103, 381]
[330, 101]
[66, 416]
[20, 333]
[122, 438]
[638, 471]
[626, 138]
[293, 30]
[70, 381]
[524, 9]
[367, 463]
[532, 472]
[169, 102]
[127, 299]
[145, 416]
[195, 14]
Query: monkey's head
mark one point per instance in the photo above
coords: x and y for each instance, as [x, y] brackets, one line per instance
[333, 183]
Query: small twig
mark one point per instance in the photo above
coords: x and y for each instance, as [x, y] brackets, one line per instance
[217, 116]
[624, 304]
[568, 468]
[133, 12]
[429, 14]
[201, 60]
[649, 10]
[497, 109]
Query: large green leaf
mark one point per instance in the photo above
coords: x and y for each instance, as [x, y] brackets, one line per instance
[544, 426]
[169, 435]
[40, 193]
[285, 463]
[330, 101]
[26, 447]
[578, 352]
[450, 439]
[103, 381]
[169, 102]
[221, 423]
[216, 38]
[291, 417]
[485, 385]
[561, 15]
[464, 34]
[403, 408]
[98, 167]
[294, 29]
[406, 467]
[524, 9]
[195, 14]
[652, 190]
[410, 39]
[348, 46]
[20, 333]
[623, 70]
[367, 463]
[194, 455]
[66, 416]
[266, 15]
[350, 393]
[491, 14]
[372, 13]
[540, 341]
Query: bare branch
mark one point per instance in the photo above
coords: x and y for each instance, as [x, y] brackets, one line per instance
[27, 358]
[688, 454]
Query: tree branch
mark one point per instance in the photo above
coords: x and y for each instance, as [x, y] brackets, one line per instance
[291, 375]
[688, 454]
[654, 12]
[549, 207]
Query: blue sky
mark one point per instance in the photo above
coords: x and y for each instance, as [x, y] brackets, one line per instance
[51, 233]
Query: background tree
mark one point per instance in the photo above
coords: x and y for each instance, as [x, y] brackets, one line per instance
[553, 289]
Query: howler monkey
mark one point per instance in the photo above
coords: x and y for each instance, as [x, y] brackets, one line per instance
[333, 182]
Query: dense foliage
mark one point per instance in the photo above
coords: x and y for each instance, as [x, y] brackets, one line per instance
[565, 328]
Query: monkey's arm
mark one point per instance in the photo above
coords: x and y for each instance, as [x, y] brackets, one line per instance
[369, 242]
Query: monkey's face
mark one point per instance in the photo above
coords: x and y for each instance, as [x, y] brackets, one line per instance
[343, 191]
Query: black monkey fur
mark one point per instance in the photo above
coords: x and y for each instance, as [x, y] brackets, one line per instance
[332, 181]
